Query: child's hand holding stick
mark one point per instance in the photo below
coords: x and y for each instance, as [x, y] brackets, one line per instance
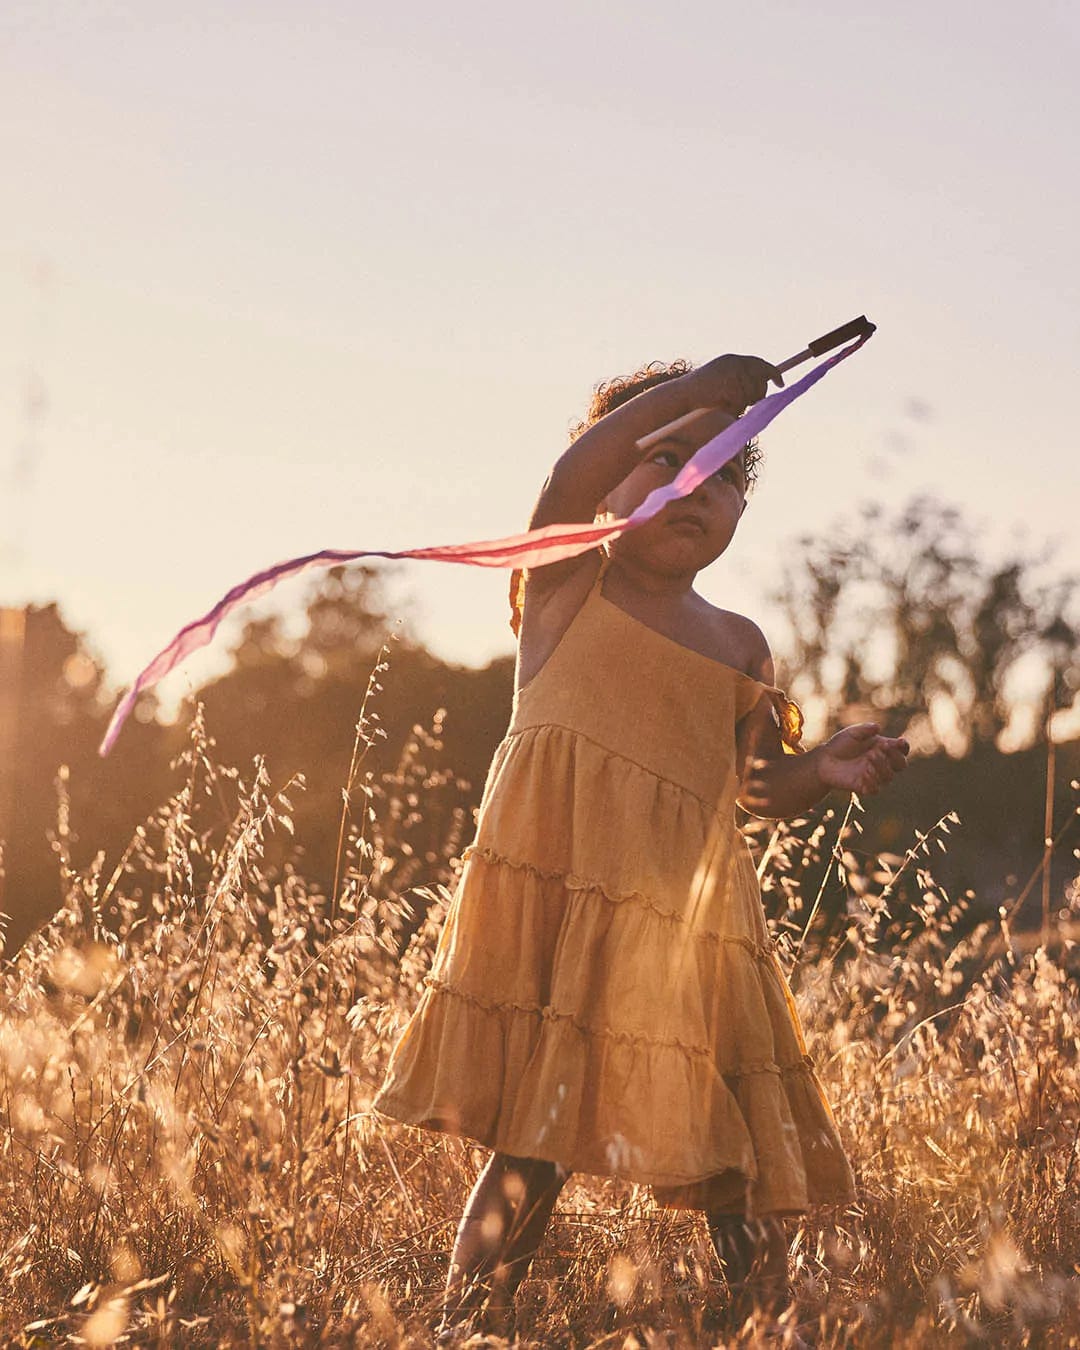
[735, 382]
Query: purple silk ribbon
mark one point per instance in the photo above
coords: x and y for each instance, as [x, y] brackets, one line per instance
[533, 548]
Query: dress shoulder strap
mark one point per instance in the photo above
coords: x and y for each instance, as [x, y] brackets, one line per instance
[789, 719]
[605, 563]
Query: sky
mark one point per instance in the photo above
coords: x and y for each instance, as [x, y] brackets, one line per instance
[282, 277]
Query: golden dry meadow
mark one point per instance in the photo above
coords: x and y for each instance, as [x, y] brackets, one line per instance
[189, 1050]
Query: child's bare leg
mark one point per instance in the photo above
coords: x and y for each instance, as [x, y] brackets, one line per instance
[542, 1184]
[499, 1233]
[754, 1255]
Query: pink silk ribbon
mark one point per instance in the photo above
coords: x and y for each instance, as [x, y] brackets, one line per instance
[534, 548]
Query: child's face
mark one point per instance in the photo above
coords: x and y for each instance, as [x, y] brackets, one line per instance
[692, 532]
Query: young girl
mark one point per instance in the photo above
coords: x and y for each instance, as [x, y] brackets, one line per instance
[605, 997]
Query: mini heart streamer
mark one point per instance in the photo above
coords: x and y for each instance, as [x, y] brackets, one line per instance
[533, 548]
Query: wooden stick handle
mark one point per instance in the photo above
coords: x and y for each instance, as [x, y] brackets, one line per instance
[857, 328]
[670, 428]
[794, 361]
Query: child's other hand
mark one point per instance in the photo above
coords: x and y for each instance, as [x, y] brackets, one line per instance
[732, 382]
[858, 759]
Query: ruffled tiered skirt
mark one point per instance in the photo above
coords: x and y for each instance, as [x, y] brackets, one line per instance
[606, 996]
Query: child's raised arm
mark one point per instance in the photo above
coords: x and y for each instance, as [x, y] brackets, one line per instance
[604, 454]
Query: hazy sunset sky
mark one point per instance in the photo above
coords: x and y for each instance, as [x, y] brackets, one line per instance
[281, 277]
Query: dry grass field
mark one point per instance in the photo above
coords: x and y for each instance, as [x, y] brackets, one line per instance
[189, 1049]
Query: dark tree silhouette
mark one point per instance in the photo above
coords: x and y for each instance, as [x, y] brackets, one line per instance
[296, 702]
[895, 615]
[56, 695]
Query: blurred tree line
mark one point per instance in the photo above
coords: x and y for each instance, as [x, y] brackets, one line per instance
[903, 621]
[899, 619]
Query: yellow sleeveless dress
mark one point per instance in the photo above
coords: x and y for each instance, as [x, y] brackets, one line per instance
[605, 993]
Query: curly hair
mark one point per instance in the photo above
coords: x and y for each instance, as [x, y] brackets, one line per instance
[614, 393]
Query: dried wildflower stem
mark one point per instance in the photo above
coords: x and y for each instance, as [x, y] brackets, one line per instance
[298, 1150]
[1044, 863]
[906, 1038]
[339, 1199]
[363, 738]
[834, 857]
[1048, 817]
[1070, 1169]
[921, 845]
[769, 850]
[398, 1178]
[125, 858]
[358, 756]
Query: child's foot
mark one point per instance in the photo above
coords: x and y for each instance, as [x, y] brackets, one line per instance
[772, 1318]
[776, 1327]
[461, 1338]
[500, 1317]
[478, 1340]
[784, 1335]
[491, 1330]
[451, 1334]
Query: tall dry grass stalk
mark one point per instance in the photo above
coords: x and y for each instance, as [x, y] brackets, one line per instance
[189, 1050]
